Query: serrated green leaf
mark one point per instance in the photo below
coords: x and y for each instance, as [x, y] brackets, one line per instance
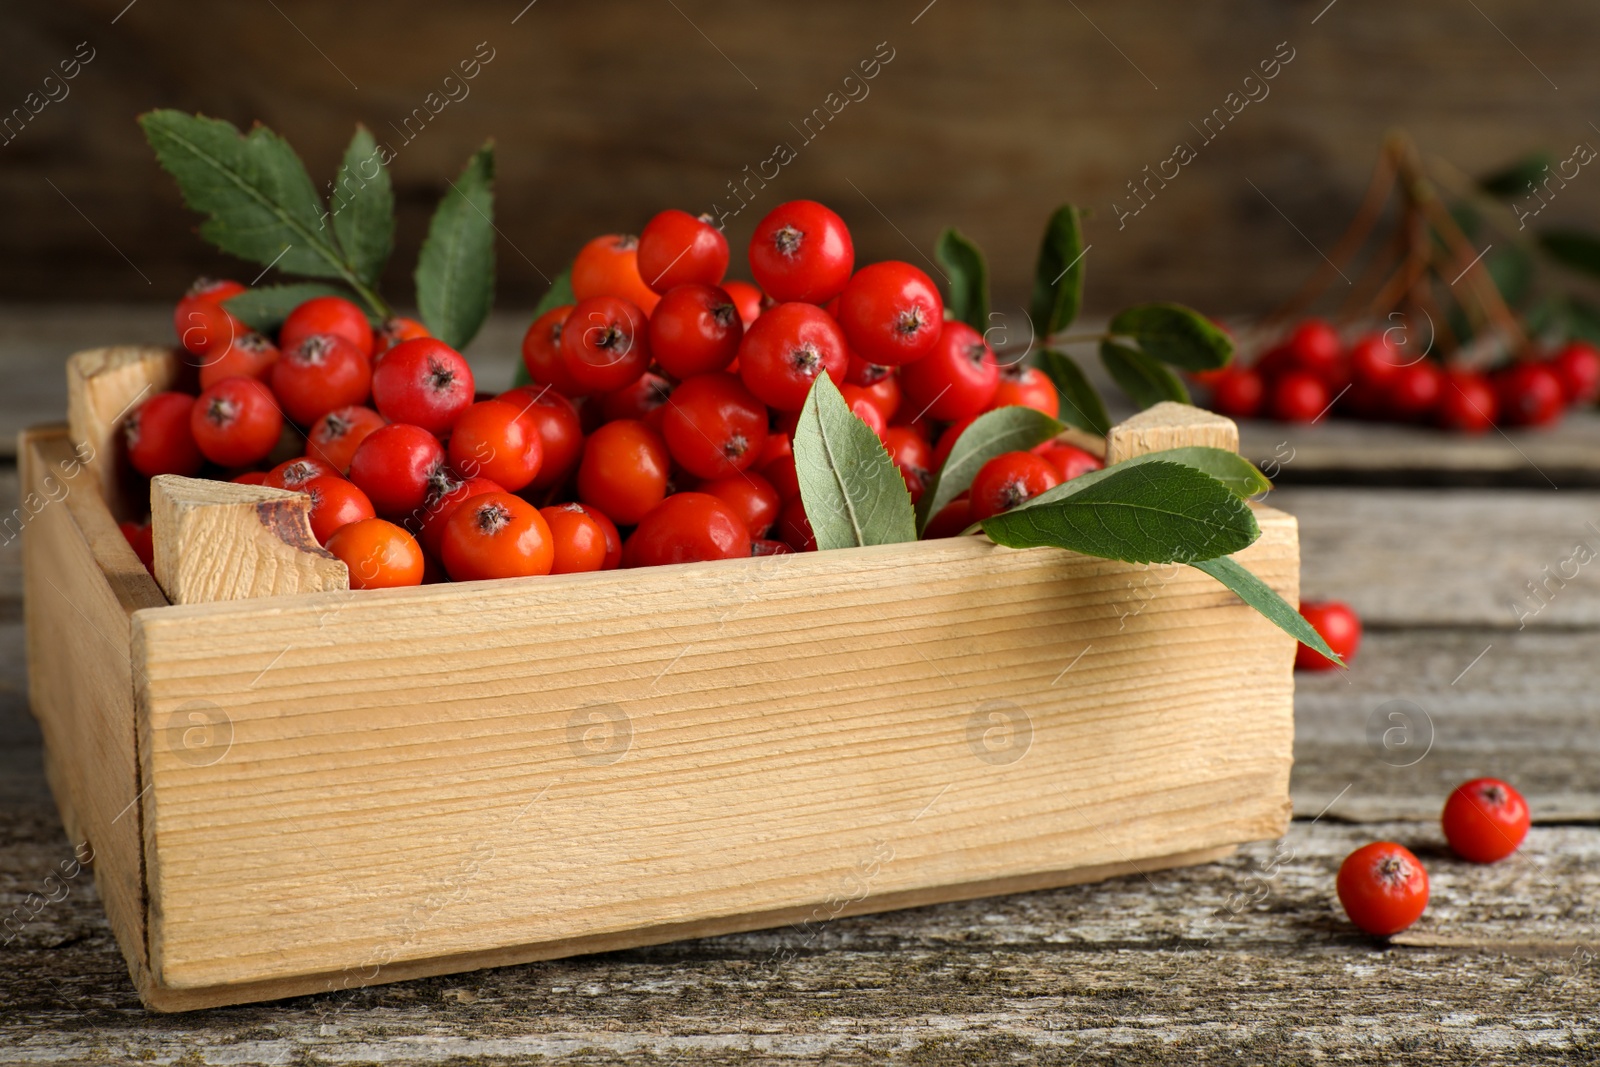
[852, 491]
[1260, 595]
[1174, 334]
[1152, 512]
[1236, 473]
[969, 278]
[1575, 249]
[1007, 429]
[560, 292]
[455, 272]
[1512, 181]
[263, 309]
[1081, 405]
[1144, 380]
[258, 199]
[1058, 274]
[362, 205]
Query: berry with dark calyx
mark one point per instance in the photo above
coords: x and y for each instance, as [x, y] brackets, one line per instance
[1485, 820]
[335, 437]
[801, 251]
[160, 437]
[747, 298]
[675, 248]
[785, 349]
[396, 466]
[605, 344]
[496, 535]
[394, 331]
[957, 379]
[216, 290]
[862, 406]
[646, 400]
[1026, 387]
[250, 356]
[892, 313]
[861, 372]
[236, 422]
[714, 426]
[325, 315]
[335, 503]
[1383, 887]
[447, 491]
[695, 329]
[318, 374]
[1530, 394]
[295, 473]
[1010, 479]
[1467, 404]
[424, 382]
[885, 394]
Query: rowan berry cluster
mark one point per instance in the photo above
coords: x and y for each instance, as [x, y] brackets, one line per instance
[657, 427]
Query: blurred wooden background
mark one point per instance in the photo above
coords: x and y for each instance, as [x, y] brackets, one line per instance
[987, 116]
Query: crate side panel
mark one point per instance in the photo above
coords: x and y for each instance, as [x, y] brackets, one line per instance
[450, 770]
[79, 587]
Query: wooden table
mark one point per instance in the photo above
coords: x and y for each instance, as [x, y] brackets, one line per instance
[1245, 961]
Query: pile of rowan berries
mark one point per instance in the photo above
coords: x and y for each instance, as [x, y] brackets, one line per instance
[1311, 372]
[656, 429]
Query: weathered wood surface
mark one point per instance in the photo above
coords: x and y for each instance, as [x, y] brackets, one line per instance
[1504, 968]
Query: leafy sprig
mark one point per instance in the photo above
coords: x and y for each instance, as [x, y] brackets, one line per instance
[261, 205]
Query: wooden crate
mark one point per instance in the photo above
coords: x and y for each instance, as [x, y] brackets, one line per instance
[296, 793]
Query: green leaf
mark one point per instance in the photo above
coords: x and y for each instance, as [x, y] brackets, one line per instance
[1008, 429]
[1575, 249]
[1140, 513]
[969, 278]
[1259, 595]
[1081, 405]
[1142, 378]
[852, 491]
[455, 272]
[1058, 275]
[363, 207]
[1175, 334]
[1512, 181]
[258, 199]
[263, 309]
[1238, 474]
[560, 292]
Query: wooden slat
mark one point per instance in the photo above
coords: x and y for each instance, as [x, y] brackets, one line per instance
[1169, 425]
[220, 541]
[352, 738]
[82, 583]
[103, 386]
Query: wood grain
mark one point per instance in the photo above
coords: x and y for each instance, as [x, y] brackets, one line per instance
[220, 541]
[82, 583]
[1169, 425]
[103, 386]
